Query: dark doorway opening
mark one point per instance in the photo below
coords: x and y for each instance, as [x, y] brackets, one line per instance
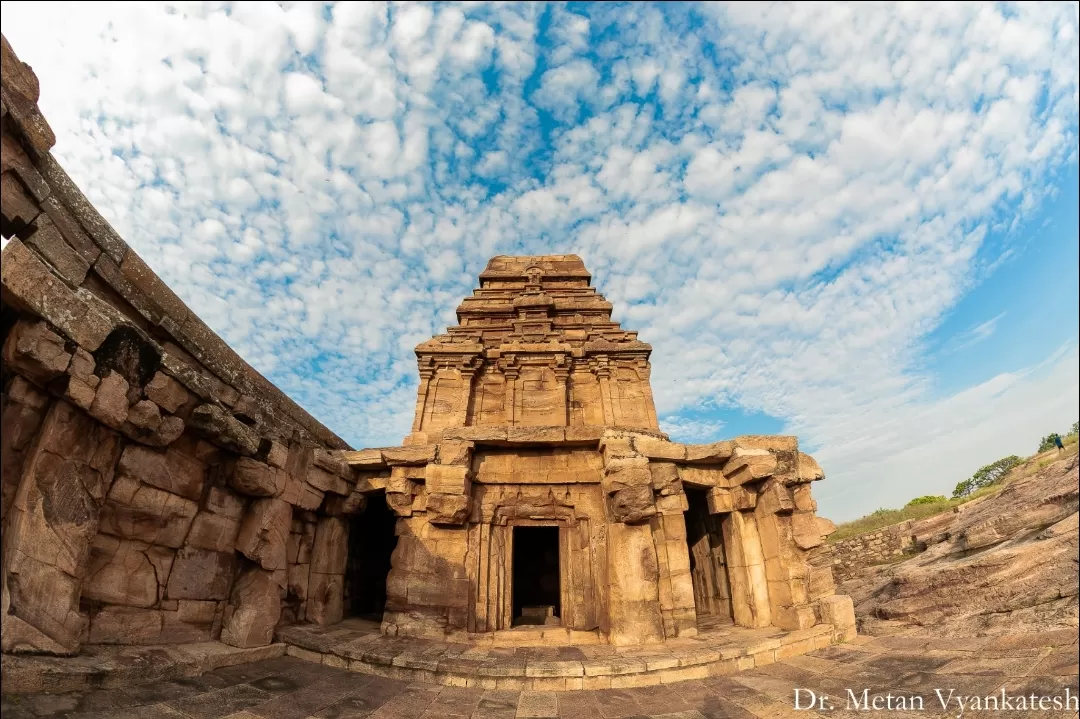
[708, 564]
[536, 575]
[371, 542]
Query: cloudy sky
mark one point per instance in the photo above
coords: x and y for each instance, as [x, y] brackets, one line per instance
[855, 223]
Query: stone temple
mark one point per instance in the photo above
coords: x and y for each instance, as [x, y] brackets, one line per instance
[163, 501]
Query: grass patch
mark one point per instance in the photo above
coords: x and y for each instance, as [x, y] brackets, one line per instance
[886, 517]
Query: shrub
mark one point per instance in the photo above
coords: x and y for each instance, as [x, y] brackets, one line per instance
[927, 499]
[990, 474]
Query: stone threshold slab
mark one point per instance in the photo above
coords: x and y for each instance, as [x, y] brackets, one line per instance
[108, 667]
[551, 668]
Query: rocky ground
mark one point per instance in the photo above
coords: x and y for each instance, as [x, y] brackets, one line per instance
[1006, 564]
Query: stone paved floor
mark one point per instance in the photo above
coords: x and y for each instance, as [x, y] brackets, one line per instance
[1045, 664]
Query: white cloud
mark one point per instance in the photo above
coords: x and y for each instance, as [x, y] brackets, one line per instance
[783, 199]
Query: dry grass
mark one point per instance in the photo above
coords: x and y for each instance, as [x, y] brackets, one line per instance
[887, 517]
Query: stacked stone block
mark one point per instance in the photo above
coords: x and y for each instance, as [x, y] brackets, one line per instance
[150, 476]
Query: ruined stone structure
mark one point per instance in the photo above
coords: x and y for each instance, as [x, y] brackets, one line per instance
[534, 413]
[157, 490]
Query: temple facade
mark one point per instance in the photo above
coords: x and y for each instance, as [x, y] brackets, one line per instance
[537, 488]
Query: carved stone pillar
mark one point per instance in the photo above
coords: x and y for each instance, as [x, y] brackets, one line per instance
[562, 374]
[510, 396]
[746, 570]
[603, 374]
[426, 373]
[462, 418]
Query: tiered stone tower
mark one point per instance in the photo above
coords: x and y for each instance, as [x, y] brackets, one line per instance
[535, 346]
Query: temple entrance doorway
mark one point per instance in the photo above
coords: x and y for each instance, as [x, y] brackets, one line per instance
[371, 542]
[536, 577]
[708, 564]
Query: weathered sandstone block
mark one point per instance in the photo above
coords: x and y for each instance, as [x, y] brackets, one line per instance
[325, 602]
[253, 610]
[136, 511]
[364, 458]
[331, 548]
[200, 574]
[36, 352]
[444, 479]
[166, 392]
[620, 473]
[324, 481]
[632, 504]
[171, 470]
[717, 452]
[264, 533]
[110, 404]
[131, 573]
[79, 393]
[215, 532]
[756, 463]
[256, 479]
[423, 454]
[331, 462]
[273, 453]
[448, 508]
[223, 502]
[654, 448]
[223, 429]
[665, 478]
[809, 470]
[455, 452]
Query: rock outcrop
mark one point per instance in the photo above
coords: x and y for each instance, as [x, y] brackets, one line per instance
[1006, 562]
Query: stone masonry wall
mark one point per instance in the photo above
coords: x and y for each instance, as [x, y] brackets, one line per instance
[155, 487]
[887, 544]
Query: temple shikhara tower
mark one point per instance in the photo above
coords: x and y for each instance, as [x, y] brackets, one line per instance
[166, 507]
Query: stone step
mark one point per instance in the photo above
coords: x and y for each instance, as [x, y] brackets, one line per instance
[546, 668]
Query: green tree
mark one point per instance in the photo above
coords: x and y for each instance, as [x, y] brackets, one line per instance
[988, 475]
[927, 499]
[1075, 428]
[1047, 442]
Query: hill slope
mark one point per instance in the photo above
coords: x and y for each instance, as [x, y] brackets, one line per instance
[1008, 562]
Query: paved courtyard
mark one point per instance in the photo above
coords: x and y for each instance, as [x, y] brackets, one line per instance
[1043, 665]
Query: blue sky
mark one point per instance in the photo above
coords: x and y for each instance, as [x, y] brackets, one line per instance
[851, 222]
